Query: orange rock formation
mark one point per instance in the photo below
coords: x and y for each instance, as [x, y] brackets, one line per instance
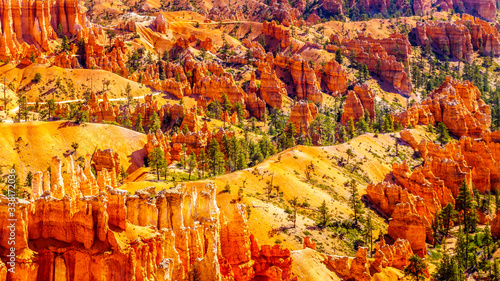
[458, 105]
[358, 101]
[99, 230]
[303, 113]
[381, 56]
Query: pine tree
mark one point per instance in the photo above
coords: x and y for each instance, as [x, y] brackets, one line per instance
[202, 162]
[443, 135]
[323, 215]
[461, 250]
[154, 122]
[294, 203]
[350, 154]
[416, 268]
[216, 158]
[487, 241]
[290, 135]
[369, 232]
[496, 270]
[138, 124]
[338, 56]
[436, 226]
[355, 201]
[191, 164]
[351, 129]
[156, 160]
[447, 216]
[388, 124]
[464, 204]
[29, 179]
[226, 104]
[447, 269]
[123, 173]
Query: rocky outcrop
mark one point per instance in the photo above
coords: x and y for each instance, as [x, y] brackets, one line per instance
[303, 113]
[191, 120]
[423, 7]
[106, 159]
[278, 32]
[194, 141]
[99, 56]
[272, 89]
[406, 223]
[387, 57]
[452, 39]
[334, 78]
[304, 80]
[360, 268]
[100, 111]
[359, 101]
[256, 106]
[485, 9]
[459, 38]
[351, 268]
[161, 24]
[484, 36]
[456, 104]
[168, 234]
[35, 23]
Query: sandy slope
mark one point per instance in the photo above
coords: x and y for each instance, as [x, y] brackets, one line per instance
[32, 145]
[374, 162]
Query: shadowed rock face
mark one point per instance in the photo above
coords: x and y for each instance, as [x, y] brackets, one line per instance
[97, 230]
[485, 9]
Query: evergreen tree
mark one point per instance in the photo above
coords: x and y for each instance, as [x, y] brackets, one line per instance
[290, 133]
[436, 226]
[487, 241]
[465, 204]
[355, 201]
[191, 164]
[166, 56]
[294, 203]
[461, 250]
[496, 270]
[443, 135]
[266, 147]
[123, 173]
[338, 56]
[154, 122]
[324, 216]
[202, 162]
[416, 268]
[388, 124]
[138, 124]
[342, 134]
[350, 154]
[447, 269]
[216, 158]
[29, 179]
[369, 232]
[447, 216]
[156, 160]
[351, 128]
[226, 104]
